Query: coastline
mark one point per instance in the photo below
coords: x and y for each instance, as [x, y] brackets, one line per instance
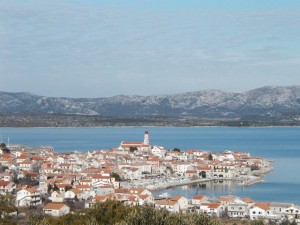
[145, 126]
[255, 177]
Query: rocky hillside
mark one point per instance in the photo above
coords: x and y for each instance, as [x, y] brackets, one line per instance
[266, 102]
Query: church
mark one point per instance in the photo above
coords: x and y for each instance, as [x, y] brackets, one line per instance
[141, 146]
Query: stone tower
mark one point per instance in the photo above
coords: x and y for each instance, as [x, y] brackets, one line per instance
[146, 138]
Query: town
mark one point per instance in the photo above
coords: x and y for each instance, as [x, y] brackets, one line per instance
[60, 183]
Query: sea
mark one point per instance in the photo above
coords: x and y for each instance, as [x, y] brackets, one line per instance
[281, 144]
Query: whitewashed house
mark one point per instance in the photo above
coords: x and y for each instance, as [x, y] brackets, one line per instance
[198, 199]
[212, 209]
[158, 151]
[57, 196]
[74, 193]
[28, 197]
[237, 209]
[257, 213]
[6, 186]
[56, 209]
[171, 206]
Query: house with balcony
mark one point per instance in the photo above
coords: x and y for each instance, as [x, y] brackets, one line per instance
[28, 197]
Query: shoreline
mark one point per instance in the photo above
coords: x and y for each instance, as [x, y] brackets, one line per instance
[241, 182]
[254, 178]
[145, 126]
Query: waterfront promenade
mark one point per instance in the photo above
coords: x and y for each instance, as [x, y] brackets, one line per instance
[159, 184]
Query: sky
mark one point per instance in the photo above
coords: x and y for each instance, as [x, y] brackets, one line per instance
[101, 48]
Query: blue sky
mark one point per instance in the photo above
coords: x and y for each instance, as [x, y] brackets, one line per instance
[98, 48]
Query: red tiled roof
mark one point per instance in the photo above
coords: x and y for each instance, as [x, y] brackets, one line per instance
[198, 197]
[4, 183]
[212, 205]
[54, 206]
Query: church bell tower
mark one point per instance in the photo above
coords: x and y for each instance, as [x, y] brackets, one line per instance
[146, 138]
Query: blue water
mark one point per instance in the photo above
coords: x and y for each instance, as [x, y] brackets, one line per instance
[280, 144]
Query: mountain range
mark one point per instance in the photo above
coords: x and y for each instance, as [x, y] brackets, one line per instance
[265, 102]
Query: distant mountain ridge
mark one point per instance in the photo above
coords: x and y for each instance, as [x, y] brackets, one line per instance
[272, 102]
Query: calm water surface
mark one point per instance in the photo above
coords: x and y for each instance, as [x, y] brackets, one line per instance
[280, 144]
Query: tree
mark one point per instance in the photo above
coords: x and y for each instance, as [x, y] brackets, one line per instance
[116, 176]
[202, 174]
[176, 149]
[68, 188]
[257, 222]
[5, 209]
[49, 189]
[210, 157]
[37, 219]
[3, 168]
[2, 146]
[294, 222]
[132, 149]
[55, 188]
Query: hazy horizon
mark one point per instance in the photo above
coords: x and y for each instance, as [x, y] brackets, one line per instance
[159, 94]
[89, 48]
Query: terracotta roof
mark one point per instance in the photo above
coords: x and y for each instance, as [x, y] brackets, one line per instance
[4, 183]
[143, 196]
[82, 186]
[37, 157]
[132, 198]
[75, 191]
[191, 171]
[247, 200]
[175, 198]
[6, 156]
[86, 181]
[122, 190]
[198, 197]
[212, 205]
[65, 164]
[263, 205]
[31, 190]
[166, 202]
[99, 176]
[100, 197]
[54, 206]
[225, 198]
[154, 159]
[25, 162]
[136, 190]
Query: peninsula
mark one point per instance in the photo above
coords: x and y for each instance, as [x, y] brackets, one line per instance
[58, 183]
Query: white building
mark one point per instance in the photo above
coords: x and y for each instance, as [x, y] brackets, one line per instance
[212, 209]
[257, 213]
[158, 151]
[28, 197]
[6, 186]
[141, 146]
[237, 209]
[56, 209]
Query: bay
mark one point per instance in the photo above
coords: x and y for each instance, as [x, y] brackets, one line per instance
[279, 143]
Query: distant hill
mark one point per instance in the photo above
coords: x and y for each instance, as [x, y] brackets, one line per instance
[265, 102]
